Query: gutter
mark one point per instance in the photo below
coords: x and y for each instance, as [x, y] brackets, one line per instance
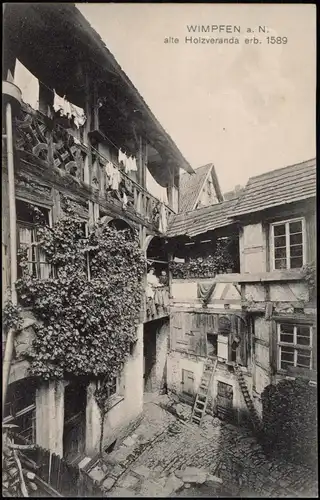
[12, 95]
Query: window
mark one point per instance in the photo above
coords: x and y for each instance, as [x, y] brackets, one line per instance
[20, 409]
[27, 238]
[294, 346]
[287, 244]
[111, 386]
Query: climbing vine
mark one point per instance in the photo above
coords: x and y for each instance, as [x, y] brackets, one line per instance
[309, 275]
[11, 317]
[204, 267]
[88, 308]
[290, 420]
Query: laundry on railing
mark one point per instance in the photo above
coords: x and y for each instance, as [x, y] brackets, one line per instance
[60, 104]
[163, 223]
[113, 176]
[124, 200]
[129, 162]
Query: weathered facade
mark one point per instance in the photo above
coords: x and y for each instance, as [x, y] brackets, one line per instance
[258, 320]
[54, 159]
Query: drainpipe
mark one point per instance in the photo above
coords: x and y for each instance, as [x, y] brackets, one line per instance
[12, 97]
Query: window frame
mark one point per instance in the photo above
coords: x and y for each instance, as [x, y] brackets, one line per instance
[295, 346]
[115, 394]
[286, 223]
[15, 415]
[33, 227]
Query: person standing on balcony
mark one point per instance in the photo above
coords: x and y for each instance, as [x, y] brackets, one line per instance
[152, 283]
[163, 279]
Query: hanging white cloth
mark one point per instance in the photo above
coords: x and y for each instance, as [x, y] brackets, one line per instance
[116, 179]
[78, 114]
[162, 219]
[67, 109]
[113, 176]
[163, 196]
[122, 157]
[58, 102]
[124, 200]
[134, 167]
[28, 84]
[109, 170]
[132, 164]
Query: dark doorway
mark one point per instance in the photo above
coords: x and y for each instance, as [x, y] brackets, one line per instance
[224, 401]
[212, 345]
[155, 346]
[75, 402]
[149, 355]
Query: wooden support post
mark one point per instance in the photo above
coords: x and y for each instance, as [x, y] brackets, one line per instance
[142, 162]
[13, 250]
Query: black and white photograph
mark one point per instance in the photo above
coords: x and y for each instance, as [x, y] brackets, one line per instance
[159, 297]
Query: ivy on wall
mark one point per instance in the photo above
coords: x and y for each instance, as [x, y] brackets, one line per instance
[310, 277]
[87, 319]
[290, 420]
[205, 267]
[11, 317]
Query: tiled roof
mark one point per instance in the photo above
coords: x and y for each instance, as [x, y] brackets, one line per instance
[231, 195]
[285, 185]
[202, 220]
[190, 187]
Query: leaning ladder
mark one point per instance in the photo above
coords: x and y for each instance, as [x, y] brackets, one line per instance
[244, 389]
[201, 401]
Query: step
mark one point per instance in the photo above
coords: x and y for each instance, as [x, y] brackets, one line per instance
[196, 418]
[199, 395]
[203, 386]
[198, 411]
[200, 403]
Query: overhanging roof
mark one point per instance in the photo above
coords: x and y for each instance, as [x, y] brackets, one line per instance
[52, 40]
[278, 187]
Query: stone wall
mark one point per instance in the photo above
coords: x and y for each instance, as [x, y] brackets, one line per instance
[127, 406]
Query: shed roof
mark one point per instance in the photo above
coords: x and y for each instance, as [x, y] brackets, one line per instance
[278, 187]
[202, 220]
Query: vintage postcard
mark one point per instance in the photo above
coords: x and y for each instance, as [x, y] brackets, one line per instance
[159, 250]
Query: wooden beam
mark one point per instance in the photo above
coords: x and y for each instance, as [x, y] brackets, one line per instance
[274, 276]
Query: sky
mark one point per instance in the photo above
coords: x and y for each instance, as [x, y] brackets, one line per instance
[248, 108]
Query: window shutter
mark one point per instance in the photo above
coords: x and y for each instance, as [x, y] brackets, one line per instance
[311, 233]
[243, 334]
[314, 348]
[178, 338]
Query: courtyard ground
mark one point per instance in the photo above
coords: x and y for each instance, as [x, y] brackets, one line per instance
[170, 457]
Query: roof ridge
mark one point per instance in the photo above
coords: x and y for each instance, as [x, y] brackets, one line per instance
[224, 202]
[299, 164]
[197, 169]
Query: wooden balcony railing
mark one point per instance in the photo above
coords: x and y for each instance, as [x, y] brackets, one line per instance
[158, 305]
[39, 136]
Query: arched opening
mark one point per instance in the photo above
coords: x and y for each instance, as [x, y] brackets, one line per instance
[120, 225]
[158, 260]
[156, 329]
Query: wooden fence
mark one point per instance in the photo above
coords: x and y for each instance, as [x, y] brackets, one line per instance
[66, 479]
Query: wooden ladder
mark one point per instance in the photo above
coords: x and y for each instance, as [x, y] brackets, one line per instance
[201, 401]
[244, 389]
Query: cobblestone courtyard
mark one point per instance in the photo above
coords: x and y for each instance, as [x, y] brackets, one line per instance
[150, 462]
